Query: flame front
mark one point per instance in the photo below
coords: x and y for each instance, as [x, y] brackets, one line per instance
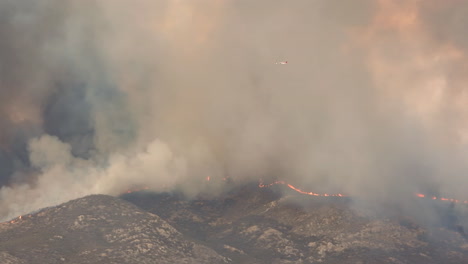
[292, 187]
[261, 184]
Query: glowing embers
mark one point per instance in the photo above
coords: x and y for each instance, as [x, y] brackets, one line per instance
[16, 219]
[19, 218]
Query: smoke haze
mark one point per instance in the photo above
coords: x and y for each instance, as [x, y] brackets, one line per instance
[103, 96]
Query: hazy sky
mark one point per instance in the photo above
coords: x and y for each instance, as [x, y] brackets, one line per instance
[103, 96]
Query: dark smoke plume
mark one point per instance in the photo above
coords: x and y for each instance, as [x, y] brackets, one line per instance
[102, 96]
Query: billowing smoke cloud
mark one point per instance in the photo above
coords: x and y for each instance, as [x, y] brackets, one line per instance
[102, 96]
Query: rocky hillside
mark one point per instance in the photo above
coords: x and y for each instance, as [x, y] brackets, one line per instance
[246, 226]
[97, 229]
[255, 225]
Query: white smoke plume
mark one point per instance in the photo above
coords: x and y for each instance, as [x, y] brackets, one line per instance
[103, 96]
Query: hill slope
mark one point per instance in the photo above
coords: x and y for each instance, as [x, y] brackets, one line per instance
[97, 229]
[246, 226]
[253, 225]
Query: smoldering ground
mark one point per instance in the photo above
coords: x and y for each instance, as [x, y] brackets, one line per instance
[102, 96]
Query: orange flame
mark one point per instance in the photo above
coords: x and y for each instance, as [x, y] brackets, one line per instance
[261, 185]
[292, 187]
[137, 190]
[420, 195]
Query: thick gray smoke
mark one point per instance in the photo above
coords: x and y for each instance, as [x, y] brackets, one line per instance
[103, 96]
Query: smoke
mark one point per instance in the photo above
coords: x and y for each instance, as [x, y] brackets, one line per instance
[102, 96]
